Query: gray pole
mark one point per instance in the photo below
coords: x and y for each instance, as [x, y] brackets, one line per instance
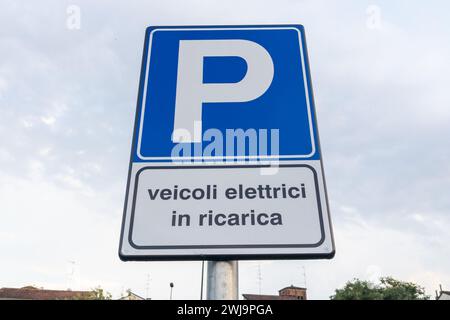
[222, 280]
[201, 283]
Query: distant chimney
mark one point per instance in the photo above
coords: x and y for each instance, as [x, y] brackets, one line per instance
[294, 292]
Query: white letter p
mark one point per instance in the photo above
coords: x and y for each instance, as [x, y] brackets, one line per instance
[191, 92]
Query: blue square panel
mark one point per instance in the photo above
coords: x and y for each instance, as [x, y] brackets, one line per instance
[285, 106]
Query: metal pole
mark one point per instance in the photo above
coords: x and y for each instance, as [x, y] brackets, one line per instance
[222, 280]
[201, 283]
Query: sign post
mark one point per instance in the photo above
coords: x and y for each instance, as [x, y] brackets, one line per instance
[223, 281]
[225, 161]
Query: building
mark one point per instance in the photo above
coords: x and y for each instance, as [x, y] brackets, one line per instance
[131, 296]
[442, 295]
[33, 293]
[288, 293]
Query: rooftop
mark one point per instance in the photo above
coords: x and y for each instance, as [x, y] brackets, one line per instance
[292, 287]
[267, 297]
[33, 293]
[287, 293]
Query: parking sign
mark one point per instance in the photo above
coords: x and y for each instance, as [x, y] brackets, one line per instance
[225, 160]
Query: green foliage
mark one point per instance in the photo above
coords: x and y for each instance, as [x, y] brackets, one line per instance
[95, 294]
[398, 290]
[388, 289]
[99, 294]
[357, 290]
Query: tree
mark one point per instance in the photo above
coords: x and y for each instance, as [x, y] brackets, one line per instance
[357, 290]
[388, 289]
[99, 294]
[399, 290]
[95, 294]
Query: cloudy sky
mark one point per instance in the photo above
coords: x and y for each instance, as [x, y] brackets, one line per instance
[380, 73]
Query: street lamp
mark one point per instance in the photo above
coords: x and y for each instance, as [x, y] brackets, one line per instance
[171, 288]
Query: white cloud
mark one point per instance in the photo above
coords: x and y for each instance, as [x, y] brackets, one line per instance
[3, 87]
[5, 155]
[27, 123]
[45, 151]
[50, 120]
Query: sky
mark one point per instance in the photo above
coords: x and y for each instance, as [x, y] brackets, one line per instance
[68, 89]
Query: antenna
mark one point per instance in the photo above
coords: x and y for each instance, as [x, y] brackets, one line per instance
[304, 276]
[71, 274]
[259, 277]
[147, 287]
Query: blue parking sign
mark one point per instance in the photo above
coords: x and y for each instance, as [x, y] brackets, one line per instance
[284, 104]
[217, 102]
